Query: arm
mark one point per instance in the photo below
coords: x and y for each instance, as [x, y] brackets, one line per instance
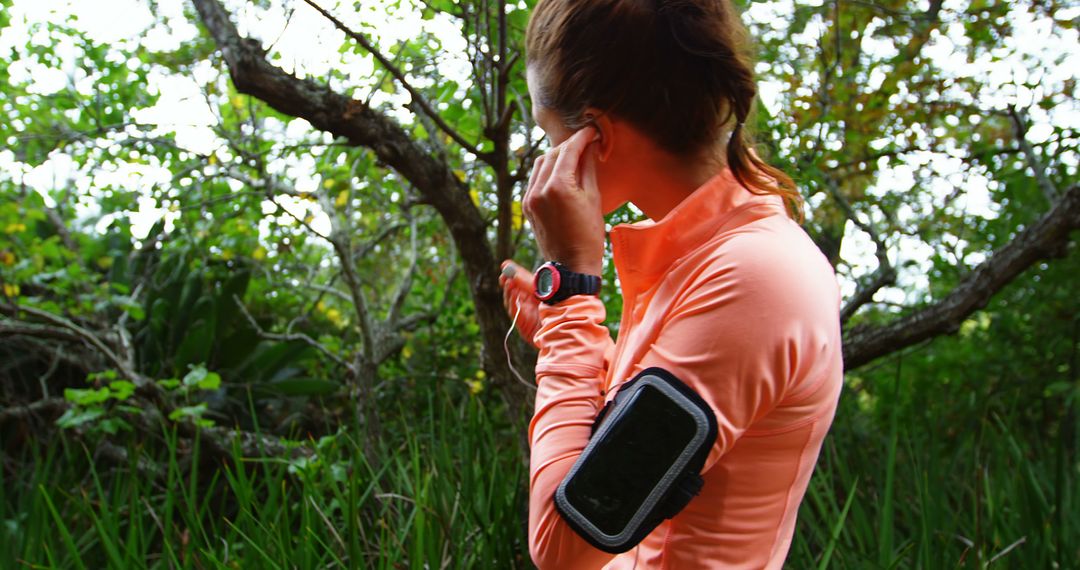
[707, 341]
[574, 348]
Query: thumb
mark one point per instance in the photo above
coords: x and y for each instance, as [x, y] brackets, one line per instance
[509, 271]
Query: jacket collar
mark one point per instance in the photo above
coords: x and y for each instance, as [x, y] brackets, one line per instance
[643, 251]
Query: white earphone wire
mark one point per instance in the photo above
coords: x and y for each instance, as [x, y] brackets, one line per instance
[506, 347]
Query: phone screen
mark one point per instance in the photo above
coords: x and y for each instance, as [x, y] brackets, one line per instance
[631, 460]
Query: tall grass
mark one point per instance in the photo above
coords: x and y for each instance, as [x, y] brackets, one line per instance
[448, 490]
[918, 499]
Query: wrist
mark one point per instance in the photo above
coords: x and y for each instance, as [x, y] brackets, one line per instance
[586, 268]
[579, 265]
[554, 282]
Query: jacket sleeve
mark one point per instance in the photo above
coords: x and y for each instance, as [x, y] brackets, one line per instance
[575, 349]
[718, 338]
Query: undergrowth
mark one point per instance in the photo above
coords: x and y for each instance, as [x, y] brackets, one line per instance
[448, 491]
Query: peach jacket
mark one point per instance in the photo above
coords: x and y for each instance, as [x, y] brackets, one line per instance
[731, 296]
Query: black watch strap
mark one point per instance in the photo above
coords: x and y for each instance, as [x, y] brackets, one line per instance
[573, 283]
[582, 283]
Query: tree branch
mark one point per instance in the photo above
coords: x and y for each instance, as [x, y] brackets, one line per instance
[47, 406]
[363, 126]
[405, 286]
[1046, 237]
[884, 275]
[400, 76]
[1020, 127]
[344, 117]
[291, 337]
[81, 333]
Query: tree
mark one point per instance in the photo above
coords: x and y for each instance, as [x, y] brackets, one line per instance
[406, 172]
[823, 117]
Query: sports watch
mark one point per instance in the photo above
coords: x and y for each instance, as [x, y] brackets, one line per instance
[553, 282]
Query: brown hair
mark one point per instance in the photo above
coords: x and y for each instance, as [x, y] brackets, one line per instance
[678, 70]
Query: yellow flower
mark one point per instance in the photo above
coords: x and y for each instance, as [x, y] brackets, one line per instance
[11, 290]
[15, 227]
[516, 218]
[460, 175]
[475, 386]
[475, 197]
[226, 254]
[259, 254]
[328, 183]
[342, 198]
[7, 258]
[407, 351]
[105, 262]
[334, 316]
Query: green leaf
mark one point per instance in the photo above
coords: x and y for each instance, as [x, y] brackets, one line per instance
[169, 383]
[197, 374]
[211, 382]
[195, 411]
[75, 417]
[113, 425]
[201, 378]
[121, 389]
[86, 397]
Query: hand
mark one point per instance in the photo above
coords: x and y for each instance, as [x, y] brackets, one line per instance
[564, 208]
[518, 290]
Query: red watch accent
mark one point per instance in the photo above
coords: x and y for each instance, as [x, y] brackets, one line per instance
[556, 280]
[553, 282]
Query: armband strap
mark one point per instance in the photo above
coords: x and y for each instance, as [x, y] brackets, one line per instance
[642, 463]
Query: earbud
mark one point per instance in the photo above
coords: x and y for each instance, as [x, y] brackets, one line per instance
[590, 120]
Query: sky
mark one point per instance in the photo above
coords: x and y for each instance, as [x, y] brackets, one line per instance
[308, 44]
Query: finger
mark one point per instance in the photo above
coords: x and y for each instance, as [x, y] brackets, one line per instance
[547, 167]
[566, 166]
[507, 273]
[526, 202]
[524, 280]
[532, 175]
[514, 298]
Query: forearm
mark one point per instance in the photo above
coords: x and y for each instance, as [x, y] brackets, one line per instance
[570, 373]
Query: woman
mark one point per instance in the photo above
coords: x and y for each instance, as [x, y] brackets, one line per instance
[644, 101]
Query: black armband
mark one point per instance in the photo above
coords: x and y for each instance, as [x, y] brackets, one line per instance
[642, 464]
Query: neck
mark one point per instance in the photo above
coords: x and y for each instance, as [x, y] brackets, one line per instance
[662, 181]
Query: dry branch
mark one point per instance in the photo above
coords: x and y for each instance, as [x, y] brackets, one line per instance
[361, 125]
[1046, 237]
[394, 70]
[884, 275]
[1020, 127]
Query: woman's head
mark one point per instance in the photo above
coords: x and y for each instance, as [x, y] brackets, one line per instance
[676, 70]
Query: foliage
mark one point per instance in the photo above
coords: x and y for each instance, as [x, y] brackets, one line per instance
[446, 490]
[251, 271]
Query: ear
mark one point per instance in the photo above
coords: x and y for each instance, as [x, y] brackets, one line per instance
[603, 123]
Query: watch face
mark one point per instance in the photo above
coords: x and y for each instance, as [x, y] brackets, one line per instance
[545, 281]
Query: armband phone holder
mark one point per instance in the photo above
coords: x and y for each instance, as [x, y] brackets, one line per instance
[642, 464]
